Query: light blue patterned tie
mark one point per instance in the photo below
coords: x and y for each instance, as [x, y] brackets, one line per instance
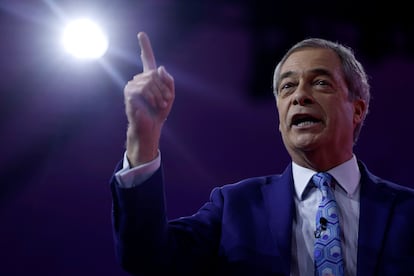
[327, 250]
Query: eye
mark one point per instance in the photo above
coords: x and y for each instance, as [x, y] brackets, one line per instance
[286, 87]
[321, 82]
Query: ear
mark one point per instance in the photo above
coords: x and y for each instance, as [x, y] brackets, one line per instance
[360, 110]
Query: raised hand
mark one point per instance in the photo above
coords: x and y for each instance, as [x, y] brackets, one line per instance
[148, 100]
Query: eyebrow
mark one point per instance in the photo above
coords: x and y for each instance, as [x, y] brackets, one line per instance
[315, 71]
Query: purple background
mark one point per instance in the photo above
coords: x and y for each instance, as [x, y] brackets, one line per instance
[63, 126]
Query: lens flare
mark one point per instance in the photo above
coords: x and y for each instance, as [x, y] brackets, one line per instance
[84, 39]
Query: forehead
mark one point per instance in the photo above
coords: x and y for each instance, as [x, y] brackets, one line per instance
[310, 59]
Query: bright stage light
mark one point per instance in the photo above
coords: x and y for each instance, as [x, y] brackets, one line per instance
[84, 39]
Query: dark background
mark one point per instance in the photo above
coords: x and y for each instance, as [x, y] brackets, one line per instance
[62, 121]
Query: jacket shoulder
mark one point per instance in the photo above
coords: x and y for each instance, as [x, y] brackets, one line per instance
[382, 183]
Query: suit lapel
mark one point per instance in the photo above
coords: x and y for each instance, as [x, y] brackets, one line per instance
[375, 209]
[278, 194]
[376, 202]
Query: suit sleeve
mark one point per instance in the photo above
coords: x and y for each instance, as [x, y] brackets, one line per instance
[146, 243]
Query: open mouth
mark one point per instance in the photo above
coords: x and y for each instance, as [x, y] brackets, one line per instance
[301, 120]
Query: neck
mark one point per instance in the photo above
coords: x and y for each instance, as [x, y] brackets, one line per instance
[320, 161]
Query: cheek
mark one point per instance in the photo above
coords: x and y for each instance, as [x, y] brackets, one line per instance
[281, 110]
[344, 116]
[281, 118]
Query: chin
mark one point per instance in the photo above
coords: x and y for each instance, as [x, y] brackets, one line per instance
[306, 142]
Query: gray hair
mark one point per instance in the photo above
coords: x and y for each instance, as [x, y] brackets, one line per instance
[355, 77]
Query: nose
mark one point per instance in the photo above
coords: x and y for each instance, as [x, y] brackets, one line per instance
[302, 96]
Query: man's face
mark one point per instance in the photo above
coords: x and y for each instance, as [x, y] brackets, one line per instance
[314, 110]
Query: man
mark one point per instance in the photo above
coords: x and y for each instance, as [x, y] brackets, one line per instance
[270, 225]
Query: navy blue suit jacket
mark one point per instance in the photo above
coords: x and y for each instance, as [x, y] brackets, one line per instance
[246, 228]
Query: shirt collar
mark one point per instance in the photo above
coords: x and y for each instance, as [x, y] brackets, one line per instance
[347, 175]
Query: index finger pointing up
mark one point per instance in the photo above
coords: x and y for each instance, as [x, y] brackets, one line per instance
[147, 56]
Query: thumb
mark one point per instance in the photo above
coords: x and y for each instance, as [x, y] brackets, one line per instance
[166, 77]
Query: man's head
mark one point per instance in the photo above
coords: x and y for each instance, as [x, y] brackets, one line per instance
[322, 94]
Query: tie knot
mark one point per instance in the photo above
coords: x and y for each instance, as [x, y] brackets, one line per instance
[322, 180]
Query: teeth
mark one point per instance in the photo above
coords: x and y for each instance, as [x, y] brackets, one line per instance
[306, 123]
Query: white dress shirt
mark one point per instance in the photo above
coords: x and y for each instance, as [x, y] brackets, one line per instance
[307, 198]
[128, 178]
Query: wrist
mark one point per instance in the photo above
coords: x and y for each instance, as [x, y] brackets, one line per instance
[141, 149]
